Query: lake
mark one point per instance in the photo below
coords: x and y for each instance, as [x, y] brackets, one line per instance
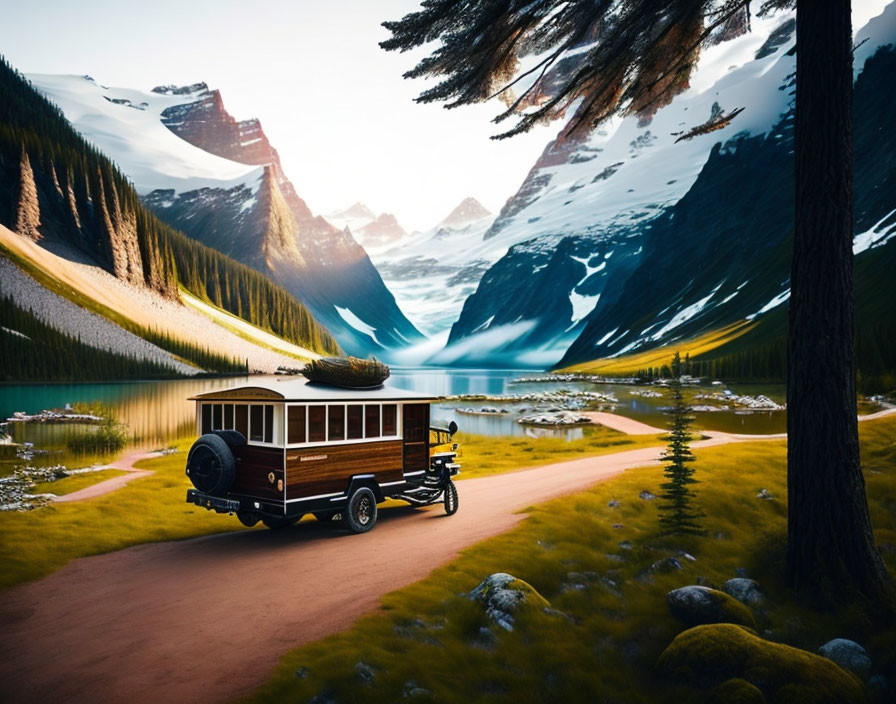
[157, 412]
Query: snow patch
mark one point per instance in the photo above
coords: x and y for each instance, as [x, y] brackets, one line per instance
[605, 337]
[774, 303]
[357, 323]
[685, 314]
[581, 306]
[876, 236]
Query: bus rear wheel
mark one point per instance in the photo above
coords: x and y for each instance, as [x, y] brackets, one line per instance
[360, 513]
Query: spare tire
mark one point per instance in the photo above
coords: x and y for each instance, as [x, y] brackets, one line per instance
[210, 465]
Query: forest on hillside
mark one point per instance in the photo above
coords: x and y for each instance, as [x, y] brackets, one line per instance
[53, 183]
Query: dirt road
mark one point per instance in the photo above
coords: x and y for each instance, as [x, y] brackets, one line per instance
[126, 464]
[206, 620]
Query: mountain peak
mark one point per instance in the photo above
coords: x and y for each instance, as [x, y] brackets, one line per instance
[172, 89]
[358, 210]
[384, 230]
[467, 211]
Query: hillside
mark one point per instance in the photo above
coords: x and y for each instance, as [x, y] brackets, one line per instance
[660, 228]
[82, 300]
[59, 192]
[221, 182]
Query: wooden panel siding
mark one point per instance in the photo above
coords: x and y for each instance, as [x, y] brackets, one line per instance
[253, 465]
[327, 469]
[416, 435]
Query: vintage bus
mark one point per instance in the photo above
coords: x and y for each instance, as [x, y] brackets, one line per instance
[277, 449]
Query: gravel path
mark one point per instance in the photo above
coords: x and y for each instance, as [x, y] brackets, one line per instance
[65, 316]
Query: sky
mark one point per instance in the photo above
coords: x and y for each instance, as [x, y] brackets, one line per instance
[331, 101]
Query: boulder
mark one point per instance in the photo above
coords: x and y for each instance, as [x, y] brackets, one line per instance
[646, 495]
[709, 656]
[504, 596]
[764, 494]
[696, 605]
[745, 591]
[847, 654]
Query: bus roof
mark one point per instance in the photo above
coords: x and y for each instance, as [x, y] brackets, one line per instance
[300, 389]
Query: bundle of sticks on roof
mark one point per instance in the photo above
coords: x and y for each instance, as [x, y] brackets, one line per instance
[347, 372]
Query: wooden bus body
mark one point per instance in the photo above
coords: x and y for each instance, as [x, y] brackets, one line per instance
[300, 447]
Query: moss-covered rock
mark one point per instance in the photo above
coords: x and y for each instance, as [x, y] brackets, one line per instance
[504, 596]
[708, 656]
[736, 691]
[697, 605]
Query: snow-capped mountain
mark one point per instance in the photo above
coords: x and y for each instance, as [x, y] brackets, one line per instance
[467, 212]
[432, 273]
[656, 228]
[381, 232]
[354, 217]
[220, 181]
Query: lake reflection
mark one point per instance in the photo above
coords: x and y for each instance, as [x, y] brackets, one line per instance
[155, 411]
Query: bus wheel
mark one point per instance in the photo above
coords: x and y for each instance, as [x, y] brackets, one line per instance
[451, 500]
[359, 515]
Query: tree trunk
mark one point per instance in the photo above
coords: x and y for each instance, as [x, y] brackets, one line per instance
[831, 552]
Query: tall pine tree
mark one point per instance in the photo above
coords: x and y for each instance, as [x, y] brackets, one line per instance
[678, 513]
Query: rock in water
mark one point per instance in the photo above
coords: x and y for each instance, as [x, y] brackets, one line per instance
[745, 591]
[847, 654]
[711, 655]
[503, 596]
[697, 605]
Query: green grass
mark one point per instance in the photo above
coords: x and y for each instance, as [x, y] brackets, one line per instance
[76, 482]
[606, 645]
[482, 455]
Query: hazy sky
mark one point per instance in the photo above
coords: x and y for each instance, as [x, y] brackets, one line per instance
[331, 101]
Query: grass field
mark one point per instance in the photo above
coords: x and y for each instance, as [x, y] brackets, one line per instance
[482, 455]
[76, 482]
[592, 563]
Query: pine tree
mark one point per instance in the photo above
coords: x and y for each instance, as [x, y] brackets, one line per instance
[28, 206]
[678, 515]
[676, 366]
